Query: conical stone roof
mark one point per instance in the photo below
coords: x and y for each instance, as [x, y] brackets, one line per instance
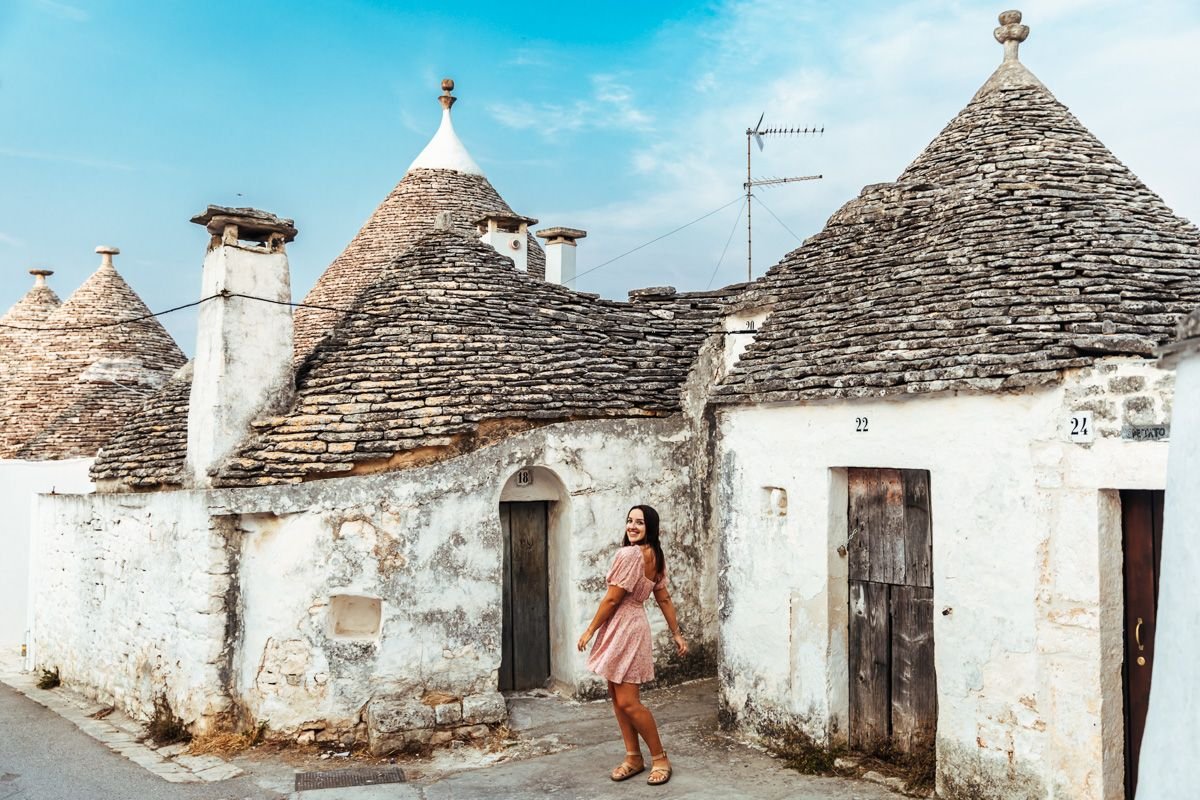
[454, 348]
[26, 316]
[442, 179]
[1016, 245]
[88, 376]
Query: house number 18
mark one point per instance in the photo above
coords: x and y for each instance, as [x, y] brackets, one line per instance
[524, 477]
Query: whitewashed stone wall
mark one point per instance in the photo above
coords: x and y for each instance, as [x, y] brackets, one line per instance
[19, 482]
[1170, 760]
[130, 597]
[122, 573]
[1026, 563]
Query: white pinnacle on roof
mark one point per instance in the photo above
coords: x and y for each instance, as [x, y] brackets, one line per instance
[445, 150]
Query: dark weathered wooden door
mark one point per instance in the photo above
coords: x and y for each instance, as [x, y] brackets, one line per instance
[1141, 523]
[525, 648]
[893, 689]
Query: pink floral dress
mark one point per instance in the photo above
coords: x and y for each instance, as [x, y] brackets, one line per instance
[622, 651]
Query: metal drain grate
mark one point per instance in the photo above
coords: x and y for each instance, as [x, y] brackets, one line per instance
[337, 778]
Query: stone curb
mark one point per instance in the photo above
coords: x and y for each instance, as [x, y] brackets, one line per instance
[120, 734]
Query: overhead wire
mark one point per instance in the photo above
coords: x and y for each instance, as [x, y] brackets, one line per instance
[221, 294]
[226, 294]
[777, 219]
[732, 230]
[658, 238]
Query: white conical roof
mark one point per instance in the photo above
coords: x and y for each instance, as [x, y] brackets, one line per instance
[446, 151]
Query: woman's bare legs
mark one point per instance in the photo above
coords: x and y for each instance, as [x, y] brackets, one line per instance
[628, 732]
[626, 700]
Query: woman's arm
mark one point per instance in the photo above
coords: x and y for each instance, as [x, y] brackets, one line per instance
[608, 607]
[663, 598]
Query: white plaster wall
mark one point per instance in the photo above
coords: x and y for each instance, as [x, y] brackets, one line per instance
[426, 541]
[19, 482]
[1021, 577]
[135, 595]
[740, 328]
[243, 363]
[129, 599]
[1170, 765]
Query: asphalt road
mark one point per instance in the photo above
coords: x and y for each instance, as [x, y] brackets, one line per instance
[45, 757]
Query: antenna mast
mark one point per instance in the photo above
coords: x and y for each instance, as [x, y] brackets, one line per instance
[757, 133]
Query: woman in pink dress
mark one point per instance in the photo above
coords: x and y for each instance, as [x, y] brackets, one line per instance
[622, 653]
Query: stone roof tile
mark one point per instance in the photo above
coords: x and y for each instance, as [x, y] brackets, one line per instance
[454, 337]
[16, 369]
[1015, 246]
[84, 374]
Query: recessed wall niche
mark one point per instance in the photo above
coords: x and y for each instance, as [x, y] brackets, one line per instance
[775, 500]
[354, 616]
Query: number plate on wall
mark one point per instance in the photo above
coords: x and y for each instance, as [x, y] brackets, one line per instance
[1079, 427]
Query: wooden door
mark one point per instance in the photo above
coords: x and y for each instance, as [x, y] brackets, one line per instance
[1141, 523]
[893, 689]
[525, 644]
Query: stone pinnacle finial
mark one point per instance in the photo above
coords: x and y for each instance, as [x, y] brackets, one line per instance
[106, 253]
[447, 99]
[39, 277]
[1011, 33]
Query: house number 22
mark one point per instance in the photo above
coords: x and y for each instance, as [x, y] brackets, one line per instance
[860, 424]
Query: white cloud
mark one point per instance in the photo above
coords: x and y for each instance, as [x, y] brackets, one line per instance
[611, 105]
[9, 240]
[62, 10]
[530, 57]
[883, 84]
[60, 158]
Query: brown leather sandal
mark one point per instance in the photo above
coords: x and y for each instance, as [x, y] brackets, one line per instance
[659, 775]
[624, 771]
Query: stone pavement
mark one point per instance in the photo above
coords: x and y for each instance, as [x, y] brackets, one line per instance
[566, 749]
[562, 749]
[121, 734]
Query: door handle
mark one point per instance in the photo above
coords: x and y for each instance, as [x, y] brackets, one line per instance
[1137, 634]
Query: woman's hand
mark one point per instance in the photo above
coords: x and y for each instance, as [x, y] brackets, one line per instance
[681, 645]
[583, 640]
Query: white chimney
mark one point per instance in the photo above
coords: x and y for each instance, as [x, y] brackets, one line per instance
[560, 253]
[243, 363]
[509, 234]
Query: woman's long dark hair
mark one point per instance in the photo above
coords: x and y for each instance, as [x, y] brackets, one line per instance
[660, 561]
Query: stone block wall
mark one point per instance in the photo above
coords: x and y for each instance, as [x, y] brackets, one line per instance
[1026, 570]
[405, 723]
[131, 598]
[300, 605]
[425, 545]
[1127, 397]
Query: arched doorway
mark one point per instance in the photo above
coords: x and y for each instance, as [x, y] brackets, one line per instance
[531, 509]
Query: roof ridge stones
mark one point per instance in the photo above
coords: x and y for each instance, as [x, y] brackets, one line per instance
[471, 341]
[1014, 246]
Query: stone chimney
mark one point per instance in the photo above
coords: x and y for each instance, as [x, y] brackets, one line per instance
[560, 253]
[243, 363]
[509, 234]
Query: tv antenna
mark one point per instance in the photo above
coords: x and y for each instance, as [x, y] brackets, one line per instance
[757, 133]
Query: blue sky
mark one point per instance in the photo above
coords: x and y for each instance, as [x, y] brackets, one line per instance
[121, 119]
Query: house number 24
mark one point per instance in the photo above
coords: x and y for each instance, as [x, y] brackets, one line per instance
[860, 424]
